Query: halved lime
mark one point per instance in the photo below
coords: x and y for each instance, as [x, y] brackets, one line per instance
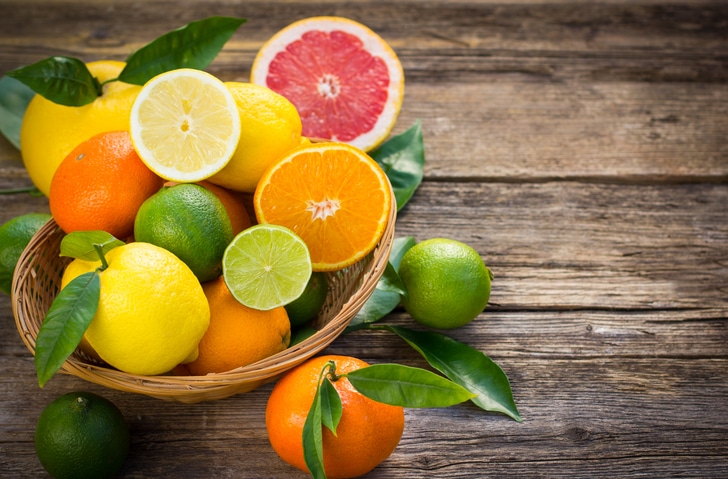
[266, 266]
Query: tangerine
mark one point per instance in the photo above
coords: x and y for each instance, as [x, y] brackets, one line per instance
[100, 185]
[237, 335]
[368, 431]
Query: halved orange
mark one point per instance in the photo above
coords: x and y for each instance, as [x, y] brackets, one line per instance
[332, 195]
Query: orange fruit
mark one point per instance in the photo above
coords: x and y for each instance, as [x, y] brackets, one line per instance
[368, 431]
[100, 185]
[50, 131]
[345, 80]
[332, 195]
[237, 335]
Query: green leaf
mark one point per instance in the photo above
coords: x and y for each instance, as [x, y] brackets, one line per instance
[81, 244]
[67, 319]
[194, 45]
[382, 302]
[403, 159]
[313, 449]
[464, 365]
[331, 408]
[407, 386]
[391, 282]
[14, 98]
[63, 80]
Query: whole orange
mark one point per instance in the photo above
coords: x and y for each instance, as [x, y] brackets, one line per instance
[368, 431]
[100, 185]
[237, 335]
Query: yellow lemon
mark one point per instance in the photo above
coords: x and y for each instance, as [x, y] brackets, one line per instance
[185, 125]
[50, 131]
[270, 126]
[152, 310]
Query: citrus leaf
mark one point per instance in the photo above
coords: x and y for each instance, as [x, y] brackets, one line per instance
[382, 301]
[81, 244]
[330, 405]
[14, 98]
[313, 449]
[390, 281]
[65, 323]
[63, 80]
[406, 386]
[402, 158]
[466, 366]
[194, 45]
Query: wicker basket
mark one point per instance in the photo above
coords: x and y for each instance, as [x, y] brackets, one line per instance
[36, 283]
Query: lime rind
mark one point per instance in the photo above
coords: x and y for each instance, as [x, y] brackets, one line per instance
[266, 266]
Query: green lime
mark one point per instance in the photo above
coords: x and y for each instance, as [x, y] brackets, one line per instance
[14, 237]
[266, 266]
[305, 308]
[447, 283]
[81, 435]
[191, 222]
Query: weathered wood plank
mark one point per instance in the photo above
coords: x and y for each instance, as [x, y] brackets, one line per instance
[557, 90]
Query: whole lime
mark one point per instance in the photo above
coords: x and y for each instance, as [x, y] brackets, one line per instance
[81, 435]
[447, 283]
[306, 307]
[191, 222]
[14, 237]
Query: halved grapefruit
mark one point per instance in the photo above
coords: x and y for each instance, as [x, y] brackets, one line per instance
[345, 80]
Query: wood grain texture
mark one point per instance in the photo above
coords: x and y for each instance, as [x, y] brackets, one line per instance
[580, 147]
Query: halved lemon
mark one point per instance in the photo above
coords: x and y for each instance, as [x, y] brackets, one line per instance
[185, 125]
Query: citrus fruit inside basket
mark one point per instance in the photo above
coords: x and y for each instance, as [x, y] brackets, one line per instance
[345, 80]
[185, 125]
[266, 266]
[332, 195]
[50, 131]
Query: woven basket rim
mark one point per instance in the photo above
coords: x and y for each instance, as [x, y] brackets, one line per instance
[192, 389]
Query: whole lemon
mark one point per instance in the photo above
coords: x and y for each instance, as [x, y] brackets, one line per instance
[81, 435]
[152, 311]
[447, 283]
[191, 222]
[50, 131]
[270, 125]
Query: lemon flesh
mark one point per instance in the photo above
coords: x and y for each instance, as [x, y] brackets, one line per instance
[185, 125]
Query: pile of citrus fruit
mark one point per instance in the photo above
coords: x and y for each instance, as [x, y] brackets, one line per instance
[232, 201]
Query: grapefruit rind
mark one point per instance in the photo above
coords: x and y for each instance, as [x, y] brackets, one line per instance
[372, 43]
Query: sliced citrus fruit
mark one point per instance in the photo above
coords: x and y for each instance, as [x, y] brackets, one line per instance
[185, 125]
[266, 266]
[345, 80]
[333, 195]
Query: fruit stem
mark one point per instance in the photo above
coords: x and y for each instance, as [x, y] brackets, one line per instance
[333, 377]
[100, 251]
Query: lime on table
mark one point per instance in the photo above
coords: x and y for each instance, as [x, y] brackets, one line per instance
[447, 283]
[81, 435]
[14, 237]
[266, 266]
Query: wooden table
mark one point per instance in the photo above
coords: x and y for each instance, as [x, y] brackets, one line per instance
[579, 147]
